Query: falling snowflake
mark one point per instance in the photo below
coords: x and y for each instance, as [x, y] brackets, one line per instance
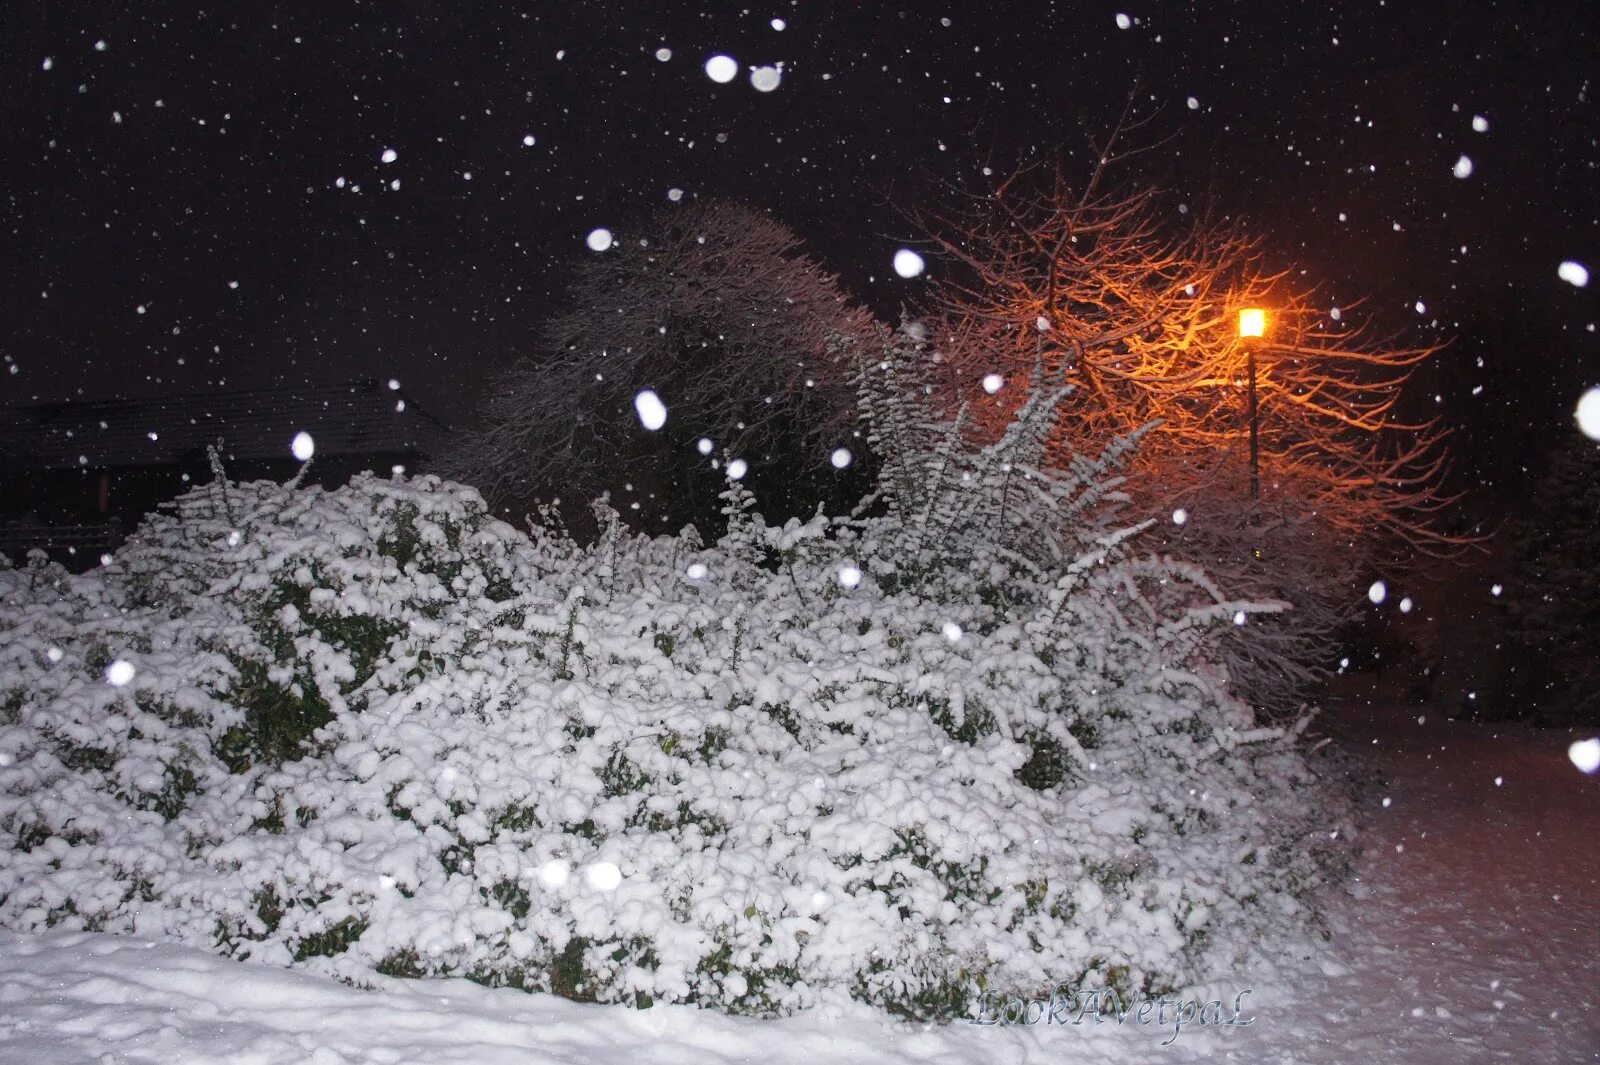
[1588, 413]
[1463, 167]
[1194, 104]
[908, 263]
[1377, 592]
[703, 445]
[722, 69]
[765, 79]
[1585, 754]
[674, 195]
[527, 140]
[992, 383]
[1123, 21]
[1180, 516]
[779, 25]
[1573, 273]
[389, 155]
[663, 54]
[952, 631]
[602, 876]
[119, 673]
[302, 446]
[553, 874]
[696, 571]
[652, 412]
[737, 469]
[849, 576]
[1480, 124]
[1405, 605]
[599, 239]
[840, 458]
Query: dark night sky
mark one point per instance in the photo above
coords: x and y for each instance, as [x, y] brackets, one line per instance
[199, 146]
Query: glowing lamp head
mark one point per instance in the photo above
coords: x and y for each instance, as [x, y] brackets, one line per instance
[1252, 322]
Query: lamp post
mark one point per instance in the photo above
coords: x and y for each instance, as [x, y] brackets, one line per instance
[1253, 326]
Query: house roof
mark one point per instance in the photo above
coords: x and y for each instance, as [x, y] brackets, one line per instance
[354, 419]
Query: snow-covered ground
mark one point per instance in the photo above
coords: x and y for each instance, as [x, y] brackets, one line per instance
[1473, 934]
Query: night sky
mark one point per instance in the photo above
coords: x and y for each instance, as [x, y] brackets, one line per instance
[195, 196]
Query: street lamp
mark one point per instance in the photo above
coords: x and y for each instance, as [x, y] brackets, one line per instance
[1253, 326]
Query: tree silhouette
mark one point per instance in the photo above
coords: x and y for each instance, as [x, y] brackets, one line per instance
[714, 308]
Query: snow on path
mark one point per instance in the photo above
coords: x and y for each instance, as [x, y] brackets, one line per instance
[1474, 930]
[1473, 934]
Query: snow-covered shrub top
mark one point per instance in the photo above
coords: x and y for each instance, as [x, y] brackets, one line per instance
[374, 729]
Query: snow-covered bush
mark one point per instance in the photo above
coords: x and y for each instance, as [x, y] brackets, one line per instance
[965, 739]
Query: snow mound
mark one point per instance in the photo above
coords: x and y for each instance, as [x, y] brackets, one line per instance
[367, 727]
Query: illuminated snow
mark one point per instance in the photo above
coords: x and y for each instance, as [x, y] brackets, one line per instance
[703, 445]
[527, 140]
[737, 469]
[674, 195]
[696, 571]
[119, 673]
[652, 412]
[722, 69]
[1480, 124]
[1377, 592]
[389, 155]
[1463, 167]
[1573, 273]
[952, 631]
[840, 458]
[849, 576]
[1123, 21]
[1180, 516]
[908, 263]
[992, 383]
[598, 239]
[765, 79]
[302, 446]
[663, 54]
[1585, 754]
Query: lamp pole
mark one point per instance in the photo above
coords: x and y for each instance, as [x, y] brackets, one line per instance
[1252, 326]
[1255, 426]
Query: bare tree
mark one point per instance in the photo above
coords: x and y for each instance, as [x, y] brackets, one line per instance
[711, 306]
[1136, 305]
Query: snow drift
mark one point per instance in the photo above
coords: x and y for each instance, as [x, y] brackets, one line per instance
[965, 739]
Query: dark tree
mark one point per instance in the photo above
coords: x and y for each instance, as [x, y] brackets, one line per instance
[715, 309]
[1554, 598]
